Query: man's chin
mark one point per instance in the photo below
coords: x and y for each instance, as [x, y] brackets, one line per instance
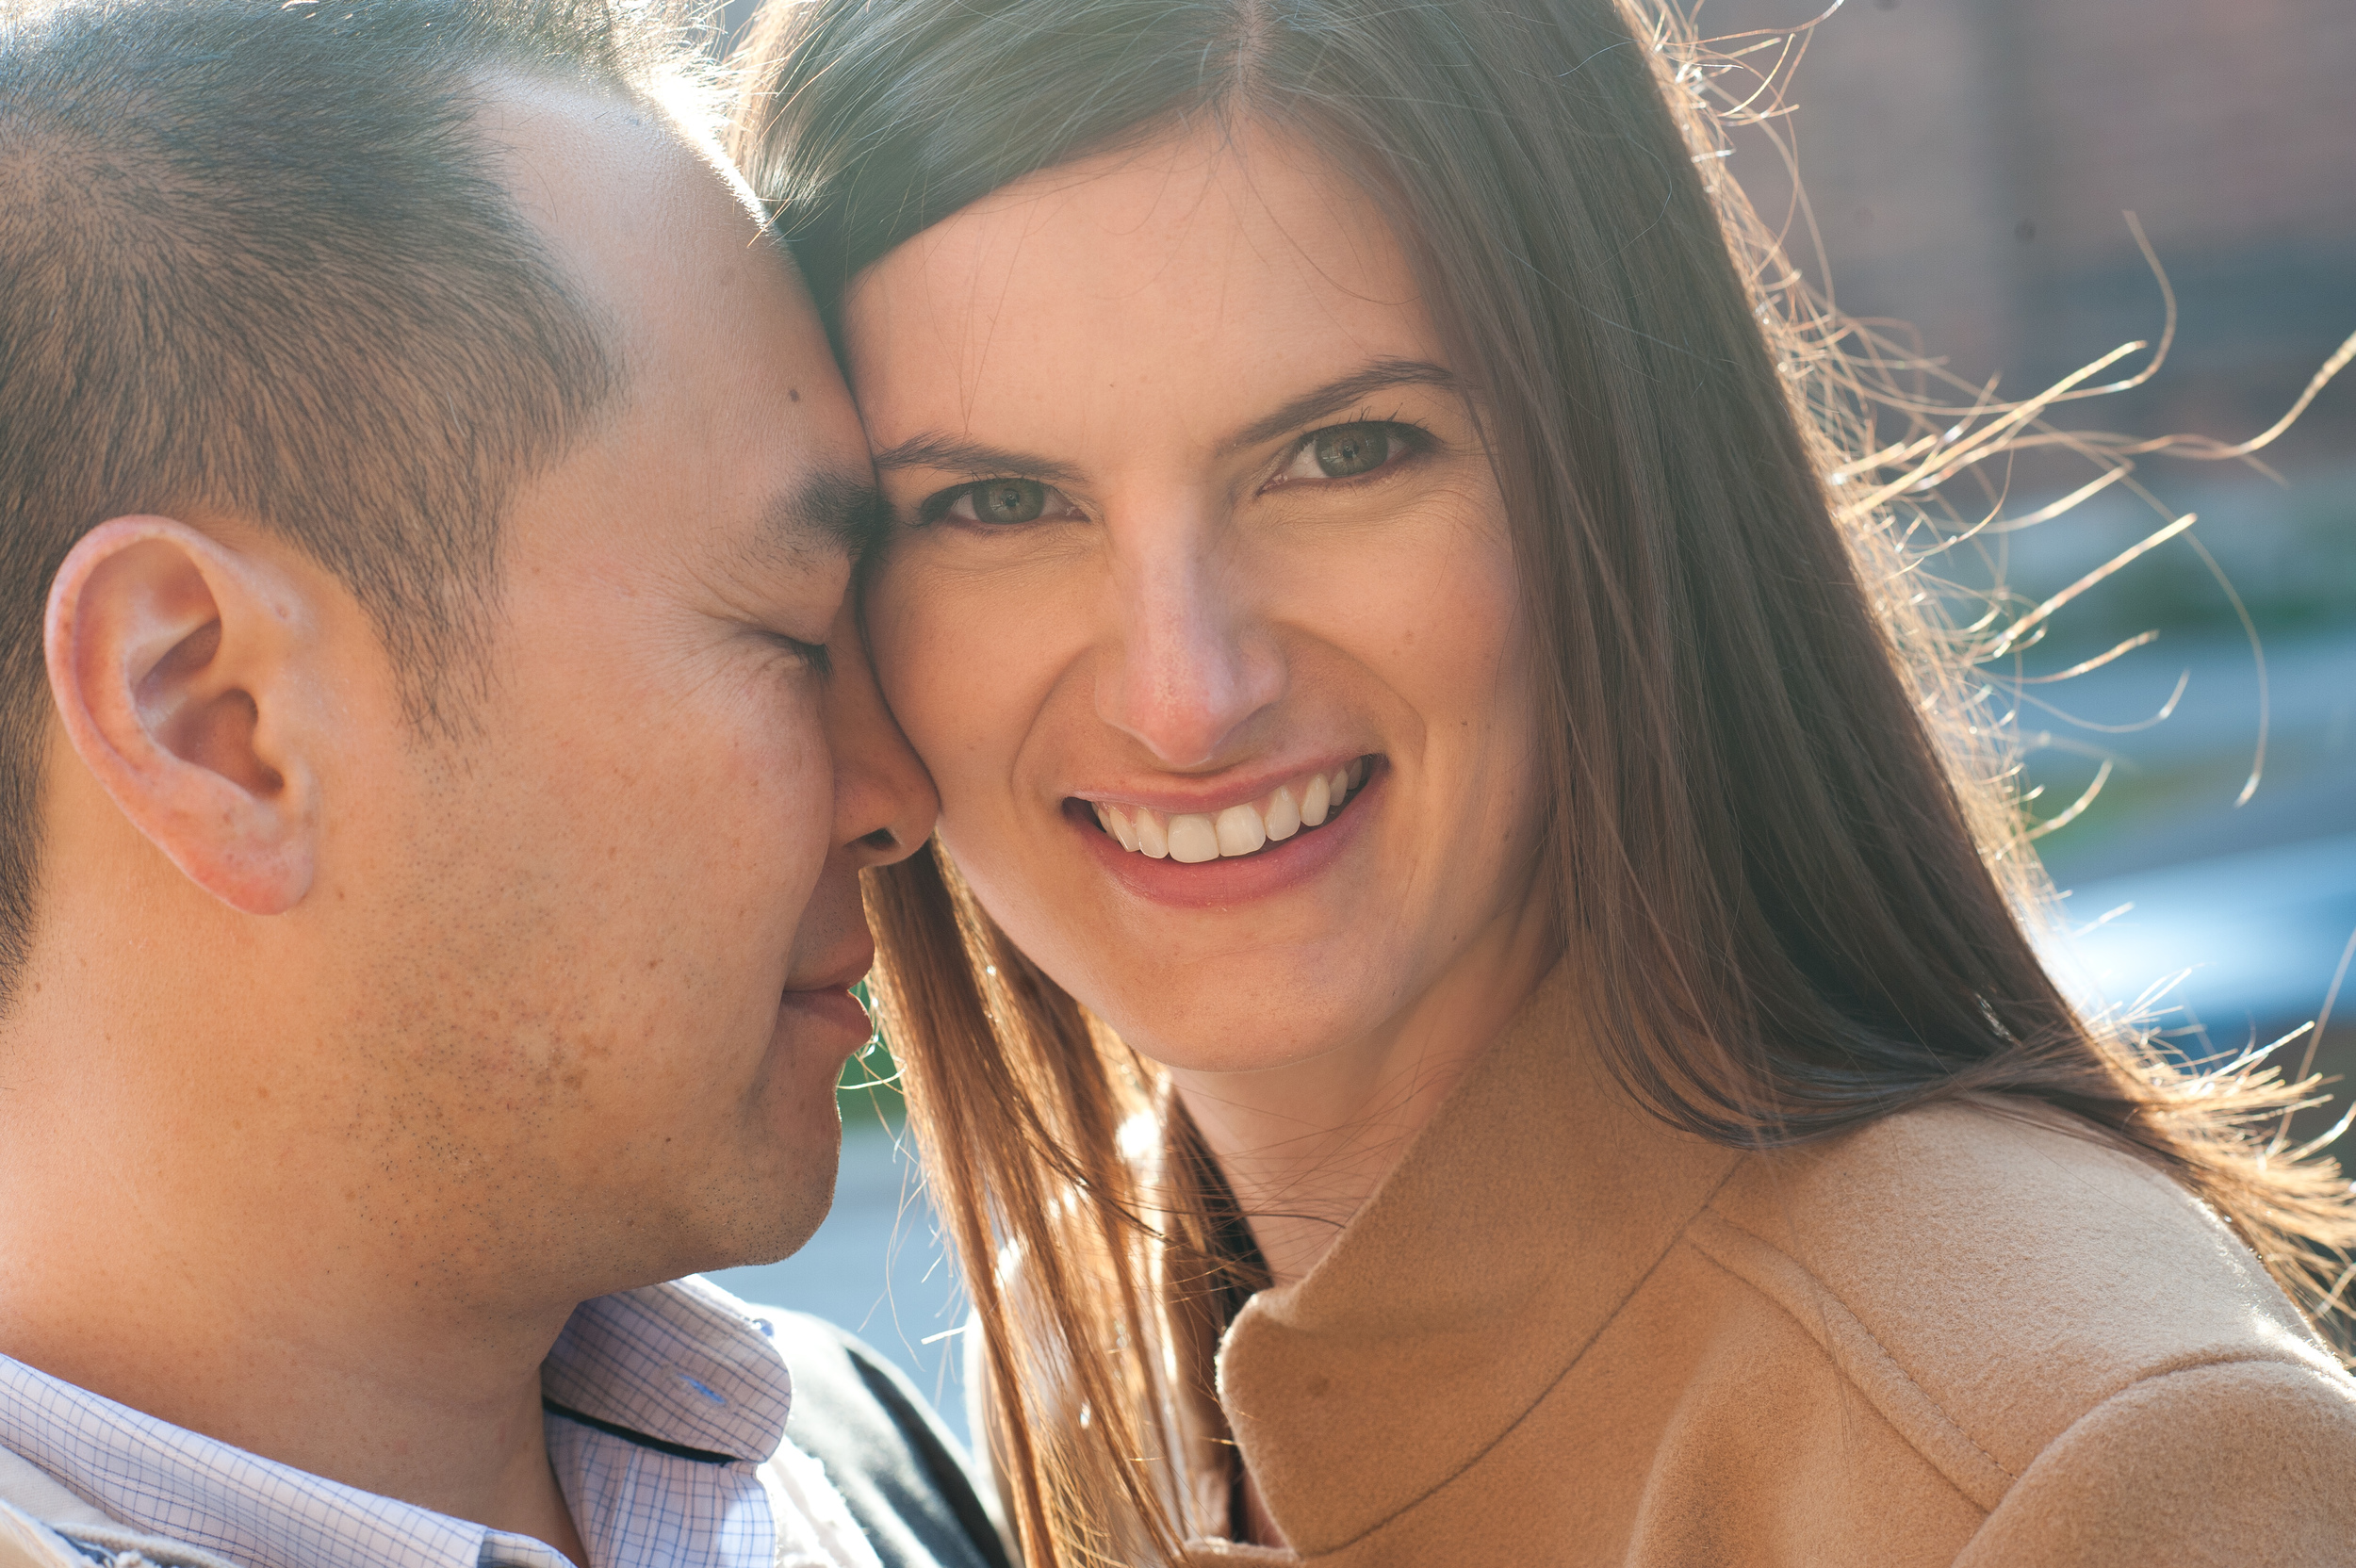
[779, 1233]
[782, 1242]
[761, 1221]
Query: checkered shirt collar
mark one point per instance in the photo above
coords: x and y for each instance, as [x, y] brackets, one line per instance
[683, 1365]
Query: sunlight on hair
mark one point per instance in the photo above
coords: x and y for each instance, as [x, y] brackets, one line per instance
[1900, 428]
[1919, 466]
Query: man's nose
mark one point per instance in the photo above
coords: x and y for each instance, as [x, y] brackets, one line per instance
[1193, 658]
[883, 803]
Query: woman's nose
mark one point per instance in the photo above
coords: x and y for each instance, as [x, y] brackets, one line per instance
[1193, 657]
[883, 803]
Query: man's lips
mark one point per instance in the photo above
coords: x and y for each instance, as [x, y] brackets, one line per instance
[823, 992]
[835, 1007]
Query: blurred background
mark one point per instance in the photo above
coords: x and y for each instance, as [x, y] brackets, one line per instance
[1967, 163]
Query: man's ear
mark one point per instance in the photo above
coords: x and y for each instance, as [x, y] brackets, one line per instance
[177, 665]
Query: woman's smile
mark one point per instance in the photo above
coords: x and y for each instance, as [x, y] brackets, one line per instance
[1225, 856]
[1193, 833]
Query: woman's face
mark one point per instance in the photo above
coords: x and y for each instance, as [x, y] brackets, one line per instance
[1200, 602]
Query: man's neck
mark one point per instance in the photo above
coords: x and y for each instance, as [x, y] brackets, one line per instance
[448, 1419]
[168, 1260]
[1303, 1146]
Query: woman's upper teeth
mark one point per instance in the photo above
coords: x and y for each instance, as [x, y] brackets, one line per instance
[1196, 835]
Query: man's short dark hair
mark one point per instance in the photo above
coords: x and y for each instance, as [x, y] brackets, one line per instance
[254, 260]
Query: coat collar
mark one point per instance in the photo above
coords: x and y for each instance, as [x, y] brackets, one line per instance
[1530, 1207]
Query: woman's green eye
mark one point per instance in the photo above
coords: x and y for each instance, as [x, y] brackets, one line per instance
[1346, 451]
[999, 503]
[1006, 501]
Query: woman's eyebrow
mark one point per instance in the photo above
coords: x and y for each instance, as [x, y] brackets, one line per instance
[950, 455]
[1339, 394]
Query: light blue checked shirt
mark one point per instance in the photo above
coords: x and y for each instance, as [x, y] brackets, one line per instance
[662, 1403]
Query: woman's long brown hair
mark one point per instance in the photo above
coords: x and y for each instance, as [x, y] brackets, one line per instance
[1785, 857]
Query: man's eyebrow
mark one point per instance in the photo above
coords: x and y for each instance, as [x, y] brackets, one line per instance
[948, 455]
[838, 510]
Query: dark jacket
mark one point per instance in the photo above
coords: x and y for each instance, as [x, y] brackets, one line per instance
[884, 1448]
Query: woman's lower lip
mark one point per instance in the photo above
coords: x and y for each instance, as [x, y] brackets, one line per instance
[1239, 879]
[834, 1008]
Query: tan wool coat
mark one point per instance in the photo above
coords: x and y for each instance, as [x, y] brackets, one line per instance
[1563, 1333]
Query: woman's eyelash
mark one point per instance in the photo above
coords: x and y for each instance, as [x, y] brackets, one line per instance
[1001, 500]
[934, 506]
[1398, 424]
[1353, 450]
[1378, 444]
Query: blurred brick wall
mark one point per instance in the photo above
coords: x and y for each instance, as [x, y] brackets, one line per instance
[1967, 161]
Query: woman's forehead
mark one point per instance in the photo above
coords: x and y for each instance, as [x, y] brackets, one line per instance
[1193, 260]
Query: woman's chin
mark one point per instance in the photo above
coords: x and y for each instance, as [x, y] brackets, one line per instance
[1249, 1014]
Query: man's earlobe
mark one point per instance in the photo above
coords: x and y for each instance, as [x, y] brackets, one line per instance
[175, 663]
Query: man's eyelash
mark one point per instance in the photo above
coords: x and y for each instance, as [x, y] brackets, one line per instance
[812, 654]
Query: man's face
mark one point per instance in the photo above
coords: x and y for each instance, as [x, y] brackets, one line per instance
[607, 935]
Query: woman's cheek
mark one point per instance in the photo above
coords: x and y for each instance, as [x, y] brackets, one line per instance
[1433, 609]
[948, 669]
[903, 632]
